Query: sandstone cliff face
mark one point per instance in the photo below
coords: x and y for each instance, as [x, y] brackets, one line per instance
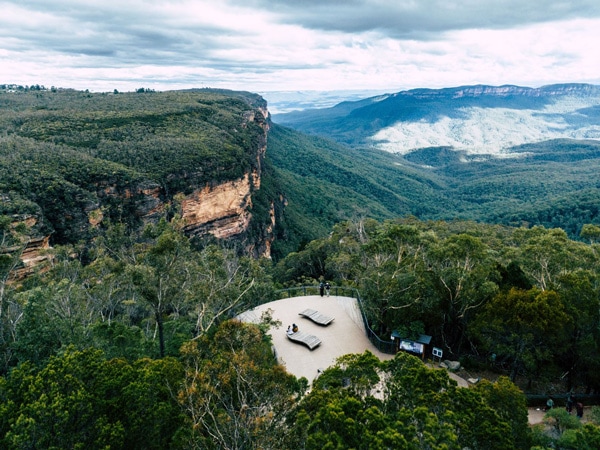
[147, 197]
[220, 210]
[142, 157]
[32, 251]
[223, 210]
[34, 257]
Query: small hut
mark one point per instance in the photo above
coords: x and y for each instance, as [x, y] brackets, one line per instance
[416, 347]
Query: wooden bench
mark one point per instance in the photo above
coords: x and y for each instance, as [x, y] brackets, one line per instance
[317, 317]
[309, 340]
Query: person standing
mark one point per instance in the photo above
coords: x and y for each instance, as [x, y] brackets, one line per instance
[569, 404]
[322, 288]
[327, 288]
[579, 409]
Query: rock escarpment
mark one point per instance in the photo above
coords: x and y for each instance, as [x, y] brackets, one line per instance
[223, 210]
[84, 160]
[27, 251]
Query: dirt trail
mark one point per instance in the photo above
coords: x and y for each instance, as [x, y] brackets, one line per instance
[536, 415]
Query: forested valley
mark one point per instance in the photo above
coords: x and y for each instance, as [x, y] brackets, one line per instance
[125, 336]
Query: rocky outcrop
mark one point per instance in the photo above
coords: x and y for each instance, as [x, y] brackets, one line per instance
[147, 198]
[502, 91]
[35, 257]
[221, 210]
[30, 253]
[148, 201]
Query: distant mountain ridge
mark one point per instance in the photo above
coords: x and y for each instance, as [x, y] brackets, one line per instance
[506, 90]
[477, 119]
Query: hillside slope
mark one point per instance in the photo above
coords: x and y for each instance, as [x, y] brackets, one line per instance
[552, 183]
[508, 154]
[73, 160]
[323, 182]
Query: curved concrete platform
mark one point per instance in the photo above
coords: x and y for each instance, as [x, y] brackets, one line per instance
[344, 335]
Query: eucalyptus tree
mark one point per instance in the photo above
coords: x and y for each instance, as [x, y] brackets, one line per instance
[234, 393]
[67, 302]
[571, 270]
[511, 405]
[580, 360]
[188, 290]
[462, 270]
[56, 310]
[13, 241]
[544, 254]
[525, 328]
[107, 288]
[590, 232]
[390, 276]
[308, 265]
[225, 284]
[10, 252]
[441, 413]
[364, 403]
[79, 399]
[162, 274]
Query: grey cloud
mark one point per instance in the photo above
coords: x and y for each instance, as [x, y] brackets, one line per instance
[140, 36]
[422, 18]
[94, 51]
[113, 38]
[112, 24]
[130, 32]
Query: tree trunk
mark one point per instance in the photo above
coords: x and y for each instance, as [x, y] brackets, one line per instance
[161, 334]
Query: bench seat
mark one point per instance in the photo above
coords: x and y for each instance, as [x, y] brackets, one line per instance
[317, 317]
[309, 340]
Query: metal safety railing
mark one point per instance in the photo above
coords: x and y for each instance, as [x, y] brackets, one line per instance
[302, 291]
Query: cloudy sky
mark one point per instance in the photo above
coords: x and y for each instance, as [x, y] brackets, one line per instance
[270, 45]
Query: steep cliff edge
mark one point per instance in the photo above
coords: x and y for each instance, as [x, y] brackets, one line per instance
[86, 159]
[224, 210]
[23, 246]
[221, 210]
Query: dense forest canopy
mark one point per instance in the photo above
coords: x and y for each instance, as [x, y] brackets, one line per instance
[465, 283]
[553, 184]
[156, 309]
[150, 313]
